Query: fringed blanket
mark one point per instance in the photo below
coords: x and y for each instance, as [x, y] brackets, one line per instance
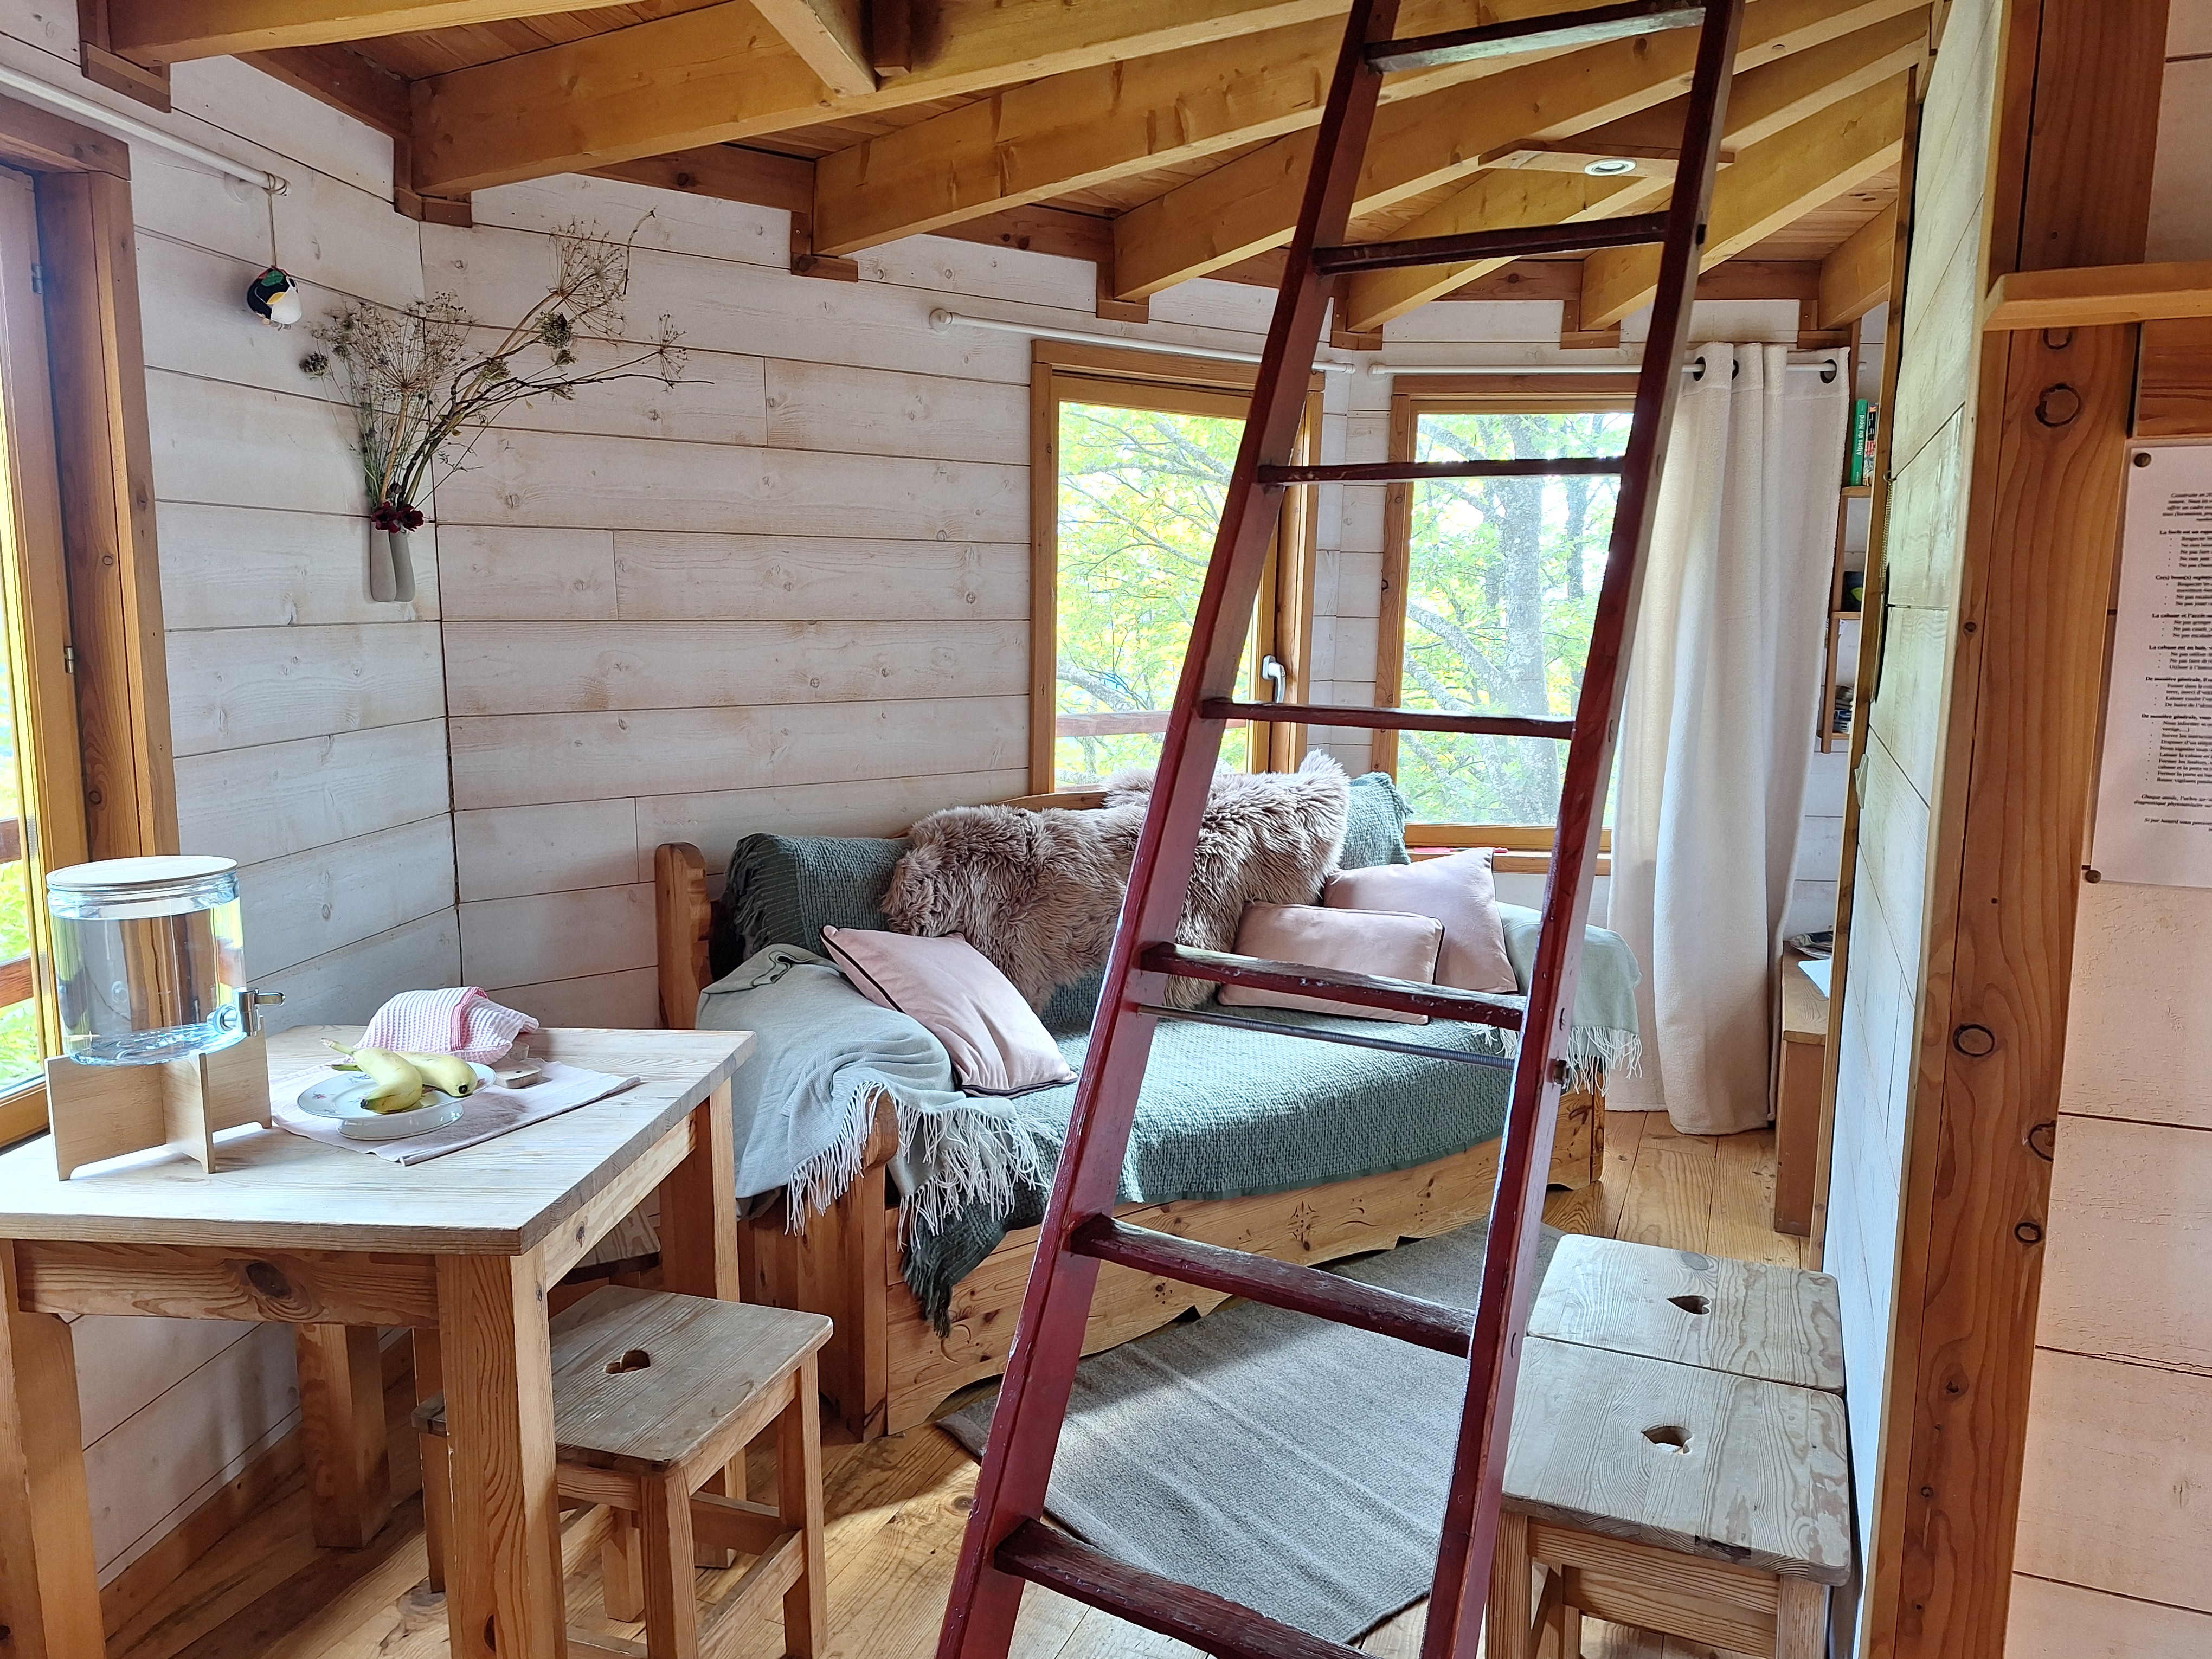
[803, 1105]
[1226, 1113]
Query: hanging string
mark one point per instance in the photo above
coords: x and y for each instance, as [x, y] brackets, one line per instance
[270, 196]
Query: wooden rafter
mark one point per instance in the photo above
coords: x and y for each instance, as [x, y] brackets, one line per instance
[155, 32]
[722, 73]
[1771, 184]
[1765, 102]
[831, 37]
[1249, 204]
[1070, 131]
[1855, 278]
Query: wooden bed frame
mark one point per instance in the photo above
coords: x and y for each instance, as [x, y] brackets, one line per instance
[886, 1369]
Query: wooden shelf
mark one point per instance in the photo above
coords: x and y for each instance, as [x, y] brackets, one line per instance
[2087, 296]
[1858, 492]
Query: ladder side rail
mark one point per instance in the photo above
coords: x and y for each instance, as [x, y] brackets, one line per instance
[1461, 1589]
[1055, 1306]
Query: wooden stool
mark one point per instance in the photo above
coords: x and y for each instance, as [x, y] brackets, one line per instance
[654, 1396]
[1780, 1324]
[1677, 1461]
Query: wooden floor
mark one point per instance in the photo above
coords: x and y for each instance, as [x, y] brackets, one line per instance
[895, 1507]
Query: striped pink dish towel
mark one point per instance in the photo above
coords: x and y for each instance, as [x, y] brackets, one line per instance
[463, 1022]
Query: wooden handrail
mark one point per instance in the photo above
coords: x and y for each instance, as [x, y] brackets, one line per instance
[2088, 296]
[11, 840]
[17, 982]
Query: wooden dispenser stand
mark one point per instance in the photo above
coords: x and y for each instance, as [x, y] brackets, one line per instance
[99, 1112]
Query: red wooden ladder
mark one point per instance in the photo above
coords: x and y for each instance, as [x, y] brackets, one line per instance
[1008, 1542]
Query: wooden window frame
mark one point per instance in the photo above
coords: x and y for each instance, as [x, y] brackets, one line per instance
[1526, 847]
[93, 605]
[1058, 371]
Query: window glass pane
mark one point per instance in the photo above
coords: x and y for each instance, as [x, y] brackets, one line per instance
[1141, 497]
[1502, 581]
[22, 1048]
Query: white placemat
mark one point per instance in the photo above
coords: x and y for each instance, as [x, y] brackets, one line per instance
[485, 1115]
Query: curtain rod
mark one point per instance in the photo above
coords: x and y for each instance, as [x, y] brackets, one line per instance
[124, 126]
[1825, 366]
[941, 320]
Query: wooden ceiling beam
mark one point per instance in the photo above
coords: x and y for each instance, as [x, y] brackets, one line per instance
[1251, 203]
[1088, 126]
[723, 74]
[1771, 184]
[155, 32]
[1855, 278]
[1763, 102]
[830, 36]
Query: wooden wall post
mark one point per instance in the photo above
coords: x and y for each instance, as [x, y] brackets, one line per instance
[2076, 132]
[98, 361]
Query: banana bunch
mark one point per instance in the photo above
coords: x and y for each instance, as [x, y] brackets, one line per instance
[400, 1078]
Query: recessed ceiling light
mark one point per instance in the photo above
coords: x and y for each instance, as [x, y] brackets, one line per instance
[1607, 167]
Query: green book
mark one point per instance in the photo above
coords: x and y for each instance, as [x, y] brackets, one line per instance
[1854, 473]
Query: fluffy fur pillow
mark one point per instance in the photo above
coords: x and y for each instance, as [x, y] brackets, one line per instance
[1038, 893]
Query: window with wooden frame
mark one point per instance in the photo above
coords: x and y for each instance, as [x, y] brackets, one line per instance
[1490, 586]
[1130, 466]
[85, 768]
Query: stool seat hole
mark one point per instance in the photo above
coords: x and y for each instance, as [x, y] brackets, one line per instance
[1692, 1304]
[1668, 1435]
[632, 1359]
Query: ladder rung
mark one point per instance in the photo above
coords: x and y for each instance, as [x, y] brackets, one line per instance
[1403, 996]
[1392, 720]
[1315, 1034]
[1044, 1555]
[1573, 29]
[1564, 466]
[1518, 241]
[1286, 1285]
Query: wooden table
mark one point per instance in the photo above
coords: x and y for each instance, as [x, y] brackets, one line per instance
[338, 1242]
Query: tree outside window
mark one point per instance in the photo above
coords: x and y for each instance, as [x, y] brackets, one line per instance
[1500, 587]
[1140, 496]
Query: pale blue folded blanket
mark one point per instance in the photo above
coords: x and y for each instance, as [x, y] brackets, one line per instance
[803, 1104]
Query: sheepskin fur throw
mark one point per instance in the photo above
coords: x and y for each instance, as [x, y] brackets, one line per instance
[1038, 893]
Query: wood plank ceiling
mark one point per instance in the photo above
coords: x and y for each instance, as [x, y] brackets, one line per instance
[1161, 139]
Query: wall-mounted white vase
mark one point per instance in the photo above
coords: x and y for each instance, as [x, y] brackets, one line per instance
[390, 566]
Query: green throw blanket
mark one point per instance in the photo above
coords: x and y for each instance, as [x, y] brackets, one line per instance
[1227, 1112]
[1224, 1112]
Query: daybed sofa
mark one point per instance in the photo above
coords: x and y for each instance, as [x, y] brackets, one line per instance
[1424, 1164]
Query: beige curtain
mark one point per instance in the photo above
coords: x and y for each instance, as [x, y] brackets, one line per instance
[1724, 682]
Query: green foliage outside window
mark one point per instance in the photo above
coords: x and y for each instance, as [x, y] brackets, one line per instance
[1502, 585]
[21, 1052]
[1140, 498]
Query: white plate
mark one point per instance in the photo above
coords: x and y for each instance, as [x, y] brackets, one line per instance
[339, 1099]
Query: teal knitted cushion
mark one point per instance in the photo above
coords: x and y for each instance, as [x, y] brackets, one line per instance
[1375, 827]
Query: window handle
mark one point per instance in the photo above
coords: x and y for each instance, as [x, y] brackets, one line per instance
[1276, 676]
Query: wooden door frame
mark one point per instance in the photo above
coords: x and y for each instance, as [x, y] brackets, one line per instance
[80, 178]
[2075, 131]
[1287, 593]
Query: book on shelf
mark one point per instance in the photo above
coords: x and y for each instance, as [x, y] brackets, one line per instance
[1859, 452]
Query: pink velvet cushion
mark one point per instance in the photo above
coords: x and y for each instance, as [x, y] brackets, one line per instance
[1458, 891]
[997, 1044]
[1390, 945]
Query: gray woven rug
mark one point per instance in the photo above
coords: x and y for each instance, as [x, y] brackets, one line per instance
[1294, 1465]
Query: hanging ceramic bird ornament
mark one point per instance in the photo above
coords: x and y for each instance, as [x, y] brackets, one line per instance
[274, 297]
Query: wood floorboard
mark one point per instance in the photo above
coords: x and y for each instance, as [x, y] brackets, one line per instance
[897, 1507]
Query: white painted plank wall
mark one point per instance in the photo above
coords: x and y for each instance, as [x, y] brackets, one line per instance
[309, 725]
[1905, 719]
[2115, 1522]
[790, 594]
